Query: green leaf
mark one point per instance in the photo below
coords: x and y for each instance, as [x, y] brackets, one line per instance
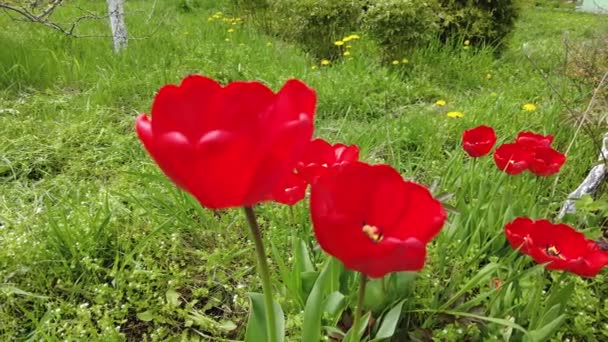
[291, 280]
[500, 321]
[543, 333]
[355, 333]
[389, 323]
[11, 290]
[560, 295]
[145, 316]
[335, 304]
[480, 278]
[302, 257]
[172, 297]
[376, 298]
[256, 325]
[308, 282]
[311, 328]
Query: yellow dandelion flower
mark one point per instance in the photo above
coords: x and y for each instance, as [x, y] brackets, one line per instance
[347, 39]
[349, 46]
[440, 103]
[395, 62]
[231, 30]
[488, 76]
[354, 37]
[346, 53]
[325, 62]
[339, 43]
[405, 61]
[455, 115]
[467, 42]
[529, 107]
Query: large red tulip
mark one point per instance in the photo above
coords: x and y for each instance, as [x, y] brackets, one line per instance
[372, 220]
[533, 140]
[512, 158]
[320, 155]
[291, 190]
[228, 146]
[478, 141]
[559, 245]
[546, 161]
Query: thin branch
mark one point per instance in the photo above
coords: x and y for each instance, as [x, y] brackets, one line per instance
[67, 29]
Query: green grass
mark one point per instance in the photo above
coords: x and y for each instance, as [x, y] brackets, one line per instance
[97, 245]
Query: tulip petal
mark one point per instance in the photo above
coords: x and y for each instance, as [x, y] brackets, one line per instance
[284, 149]
[184, 108]
[294, 98]
[224, 169]
[174, 153]
[240, 106]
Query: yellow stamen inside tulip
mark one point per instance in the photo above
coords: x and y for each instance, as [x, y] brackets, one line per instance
[372, 232]
[552, 251]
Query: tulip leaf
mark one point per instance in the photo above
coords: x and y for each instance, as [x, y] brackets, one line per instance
[291, 280]
[542, 334]
[376, 298]
[313, 310]
[560, 295]
[308, 281]
[335, 304]
[389, 323]
[303, 261]
[355, 333]
[256, 325]
[500, 321]
[481, 277]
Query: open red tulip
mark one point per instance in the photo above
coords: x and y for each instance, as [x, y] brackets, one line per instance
[291, 190]
[546, 161]
[513, 158]
[557, 244]
[533, 140]
[372, 220]
[319, 155]
[228, 146]
[478, 141]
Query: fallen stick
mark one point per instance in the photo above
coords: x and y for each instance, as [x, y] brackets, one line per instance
[590, 184]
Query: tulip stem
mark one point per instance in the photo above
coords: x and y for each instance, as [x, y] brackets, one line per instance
[256, 235]
[360, 300]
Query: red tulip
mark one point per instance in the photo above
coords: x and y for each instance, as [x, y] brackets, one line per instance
[373, 220]
[478, 141]
[319, 155]
[512, 158]
[546, 161]
[291, 190]
[228, 146]
[557, 244]
[533, 140]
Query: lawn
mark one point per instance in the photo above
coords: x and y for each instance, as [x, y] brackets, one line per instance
[97, 244]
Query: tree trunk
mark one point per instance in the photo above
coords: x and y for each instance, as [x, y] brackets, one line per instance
[117, 22]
